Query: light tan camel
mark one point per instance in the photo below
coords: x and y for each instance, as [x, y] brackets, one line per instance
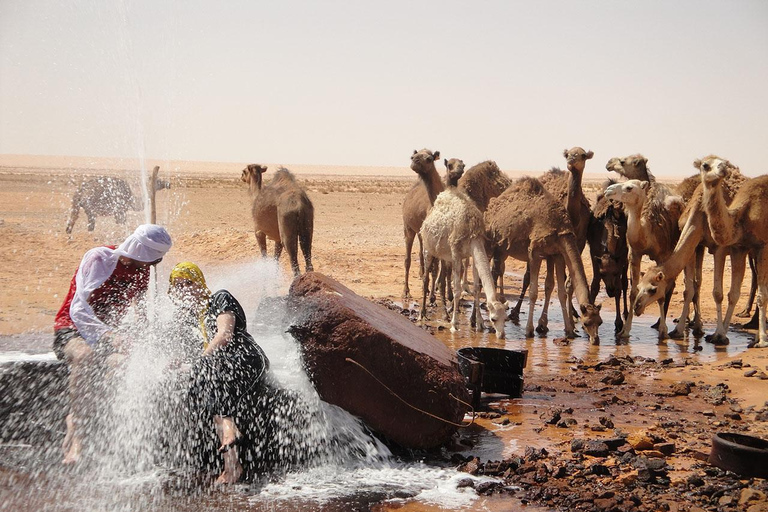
[527, 223]
[281, 212]
[415, 206]
[652, 229]
[742, 223]
[454, 230]
[688, 255]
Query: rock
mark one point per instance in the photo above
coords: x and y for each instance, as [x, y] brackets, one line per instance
[681, 388]
[750, 373]
[666, 449]
[605, 421]
[471, 467]
[613, 378]
[758, 507]
[551, 417]
[376, 364]
[748, 495]
[577, 445]
[708, 412]
[566, 423]
[614, 443]
[465, 482]
[596, 449]
[640, 440]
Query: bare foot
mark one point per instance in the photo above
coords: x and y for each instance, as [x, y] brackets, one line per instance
[70, 432]
[72, 456]
[229, 477]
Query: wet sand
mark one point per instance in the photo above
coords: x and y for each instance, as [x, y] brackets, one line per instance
[358, 240]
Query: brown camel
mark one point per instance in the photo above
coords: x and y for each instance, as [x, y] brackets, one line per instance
[415, 206]
[607, 236]
[688, 255]
[454, 230]
[652, 229]
[105, 196]
[741, 224]
[567, 188]
[281, 212]
[527, 223]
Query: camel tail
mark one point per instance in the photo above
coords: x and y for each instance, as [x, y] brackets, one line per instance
[306, 226]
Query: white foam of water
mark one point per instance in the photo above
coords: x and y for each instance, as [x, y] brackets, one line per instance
[14, 357]
[411, 481]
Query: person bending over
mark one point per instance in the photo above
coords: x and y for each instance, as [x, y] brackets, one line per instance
[232, 364]
[105, 284]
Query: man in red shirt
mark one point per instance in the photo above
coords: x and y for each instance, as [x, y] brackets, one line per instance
[106, 283]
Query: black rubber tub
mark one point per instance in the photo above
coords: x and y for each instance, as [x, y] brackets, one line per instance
[747, 456]
[493, 370]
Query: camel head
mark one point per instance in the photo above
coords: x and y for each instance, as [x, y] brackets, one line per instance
[651, 288]
[611, 271]
[576, 158]
[713, 169]
[423, 160]
[497, 313]
[252, 174]
[454, 169]
[633, 167]
[591, 320]
[631, 192]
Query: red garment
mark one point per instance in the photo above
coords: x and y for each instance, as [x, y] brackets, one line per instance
[111, 300]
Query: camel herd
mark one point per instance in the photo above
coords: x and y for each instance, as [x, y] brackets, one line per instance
[482, 216]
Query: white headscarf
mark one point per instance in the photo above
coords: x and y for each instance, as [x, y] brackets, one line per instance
[148, 243]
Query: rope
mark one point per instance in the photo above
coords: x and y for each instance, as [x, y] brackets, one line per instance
[459, 425]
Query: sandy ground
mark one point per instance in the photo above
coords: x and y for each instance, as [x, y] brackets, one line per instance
[358, 240]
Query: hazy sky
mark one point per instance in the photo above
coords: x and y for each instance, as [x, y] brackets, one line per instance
[365, 83]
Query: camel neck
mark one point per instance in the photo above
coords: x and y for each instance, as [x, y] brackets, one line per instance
[690, 238]
[575, 266]
[721, 223]
[254, 187]
[575, 194]
[433, 183]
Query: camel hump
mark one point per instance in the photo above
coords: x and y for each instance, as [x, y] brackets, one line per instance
[283, 174]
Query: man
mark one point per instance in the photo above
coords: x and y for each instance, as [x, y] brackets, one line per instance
[107, 281]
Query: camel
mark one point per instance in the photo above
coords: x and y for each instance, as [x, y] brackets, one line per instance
[741, 224]
[688, 255]
[566, 187]
[415, 206]
[527, 223]
[454, 230]
[607, 236]
[652, 229]
[105, 196]
[281, 212]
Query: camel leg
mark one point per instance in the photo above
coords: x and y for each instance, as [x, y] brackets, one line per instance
[278, 250]
[762, 296]
[514, 313]
[634, 264]
[477, 317]
[305, 242]
[91, 220]
[74, 212]
[261, 239]
[456, 273]
[497, 271]
[443, 276]
[549, 284]
[421, 256]
[120, 217]
[425, 288]
[719, 336]
[433, 270]
[409, 237]
[698, 323]
[594, 287]
[449, 285]
[688, 294]
[738, 267]
[562, 295]
[618, 323]
[290, 239]
[747, 311]
[534, 265]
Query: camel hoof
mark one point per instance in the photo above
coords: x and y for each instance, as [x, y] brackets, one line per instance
[618, 326]
[529, 333]
[750, 325]
[676, 335]
[454, 328]
[744, 314]
[717, 339]
[623, 335]
[760, 344]
[656, 325]
[698, 331]
[542, 328]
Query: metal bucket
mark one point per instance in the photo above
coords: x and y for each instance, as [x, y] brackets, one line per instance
[492, 370]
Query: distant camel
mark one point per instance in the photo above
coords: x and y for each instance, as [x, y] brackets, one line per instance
[105, 196]
[281, 212]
